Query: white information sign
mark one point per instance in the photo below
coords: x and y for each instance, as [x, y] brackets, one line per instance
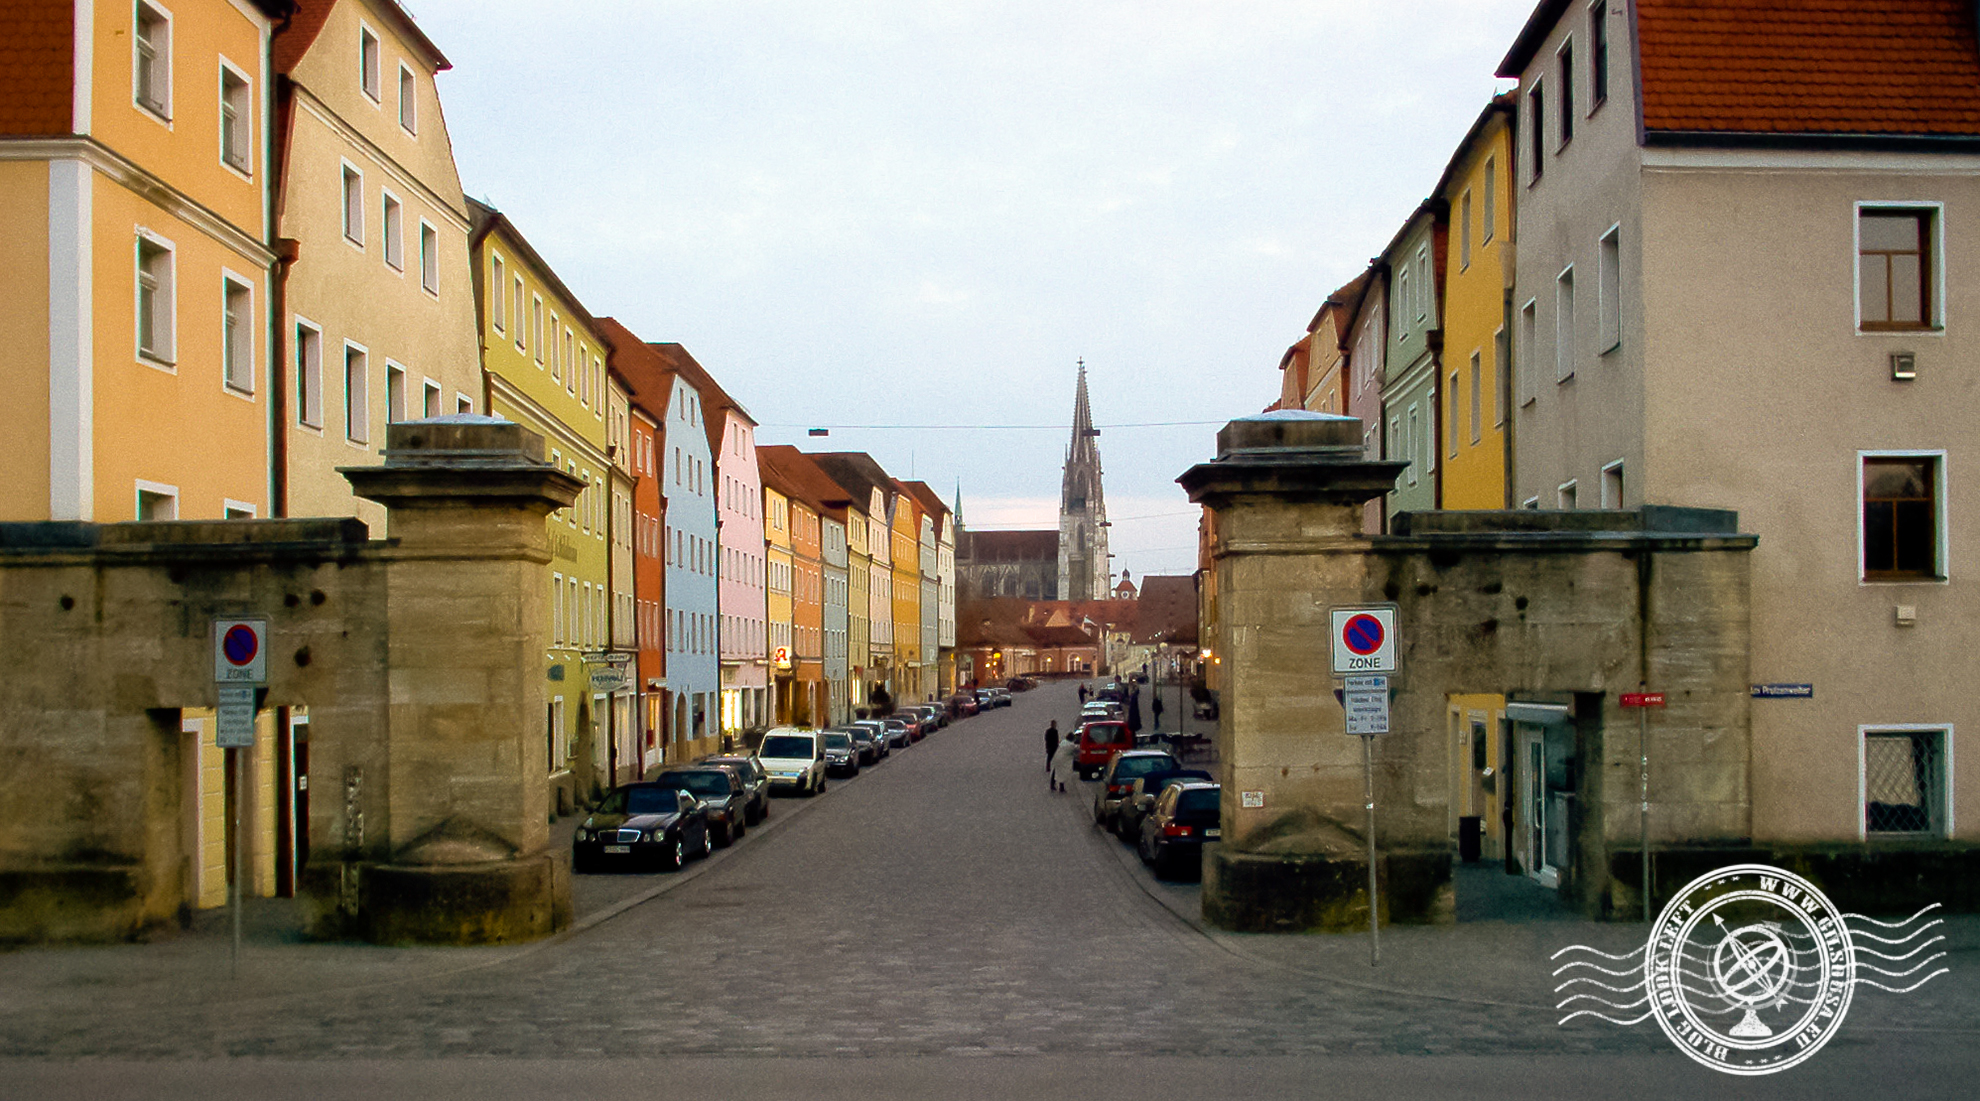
[1367, 702]
[240, 651]
[234, 728]
[1364, 640]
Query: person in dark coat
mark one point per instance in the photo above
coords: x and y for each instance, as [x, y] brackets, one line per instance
[1082, 694]
[1134, 714]
[1051, 742]
[1155, 708]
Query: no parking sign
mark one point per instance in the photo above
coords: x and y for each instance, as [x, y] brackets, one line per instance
[240, 651]
[1364, 640]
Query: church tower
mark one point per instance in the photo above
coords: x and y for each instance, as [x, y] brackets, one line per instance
[1084, 573]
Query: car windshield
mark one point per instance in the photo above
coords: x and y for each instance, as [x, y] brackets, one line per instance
[1106, 734]
[1130, 767]
[785, 746]
[838, 741]
[644, 800]
[1200, 799]
[701, 783]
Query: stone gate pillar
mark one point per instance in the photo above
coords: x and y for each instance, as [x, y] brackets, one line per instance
[1285, 494]
[435, 830]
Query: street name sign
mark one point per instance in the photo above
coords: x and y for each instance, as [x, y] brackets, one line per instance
[1364, 640]
[240, 651]
[1366, 700]
[234, 726]
[1643, 699]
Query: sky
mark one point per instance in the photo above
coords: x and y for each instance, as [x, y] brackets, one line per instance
[907, 221]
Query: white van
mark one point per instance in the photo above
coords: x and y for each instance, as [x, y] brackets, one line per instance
[795, 759]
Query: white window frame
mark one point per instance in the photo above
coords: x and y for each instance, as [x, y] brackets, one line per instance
[1564, 67]
[536, 326]
[1413, 420]
[1936, 324]
[156, 489]
[165, 302]
[429, 258]
[1464, 231]
[498, 285]
[1564, 341]
[357, 400]
[1613, 485]
[1477, 397]
[392, 227]
[1529, 334]
[396, 397]
[408, 104]
[1424, 295]
[1939, 476]
[1567, 495]
[1489, 218]
[371, 64]
[246, 510]
[1501, 377]
[160, 106]
[1453, 430]
[521, 325]
[463, 403]
[242, 130]
[350, 179]
[248, 327]
[1947, 787]
[1608, 290]
[1532, 503]
[309, 375]
[431, 394]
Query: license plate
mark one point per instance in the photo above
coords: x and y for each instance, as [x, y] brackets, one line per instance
[618, 848]
[1209, 833]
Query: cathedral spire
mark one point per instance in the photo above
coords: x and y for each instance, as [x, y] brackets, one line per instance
[1084, 572]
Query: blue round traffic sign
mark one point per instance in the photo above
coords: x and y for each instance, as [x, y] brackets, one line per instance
[1363, 634]
[240, 644]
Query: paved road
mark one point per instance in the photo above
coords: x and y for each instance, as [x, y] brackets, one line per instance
[942, 922]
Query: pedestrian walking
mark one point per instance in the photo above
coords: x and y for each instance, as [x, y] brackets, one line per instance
[1155, 708]
[1062, 764]
[1051, 742]
[1134, 714]
[1082, 693]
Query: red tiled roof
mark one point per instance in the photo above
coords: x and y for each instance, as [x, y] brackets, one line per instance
[37, 67]
[785, 468]
[648, 374]
[1810, 66]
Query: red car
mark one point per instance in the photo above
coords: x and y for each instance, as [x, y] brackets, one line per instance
[962, 704]
[1098, 743]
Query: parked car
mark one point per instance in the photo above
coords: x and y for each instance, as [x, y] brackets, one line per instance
[899, 733]
[933, 713]
[1184, 819]
[1141, 798]
[1111, 691]
[908, 723]
[1021, 684]
[1001, 697]
[1098, 742]
[986, 698]
[756, 783]
[866, 743]
[1100, 710]
[841, 755]
[641, 825]
[882, 742]
[963, 704]
[1119, 775]
[795, 759]
[724, 800]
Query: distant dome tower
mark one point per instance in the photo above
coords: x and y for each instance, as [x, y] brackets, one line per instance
[1084, 573]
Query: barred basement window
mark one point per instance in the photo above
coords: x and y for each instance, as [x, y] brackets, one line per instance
[1904, 782]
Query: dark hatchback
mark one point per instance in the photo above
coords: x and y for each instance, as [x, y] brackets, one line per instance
[756, 784]
[1119, 776]
[641, 825]
[1185, 818]
[1141, 796]
[723, 798]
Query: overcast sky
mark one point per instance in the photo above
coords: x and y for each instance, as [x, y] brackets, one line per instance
[919, 214]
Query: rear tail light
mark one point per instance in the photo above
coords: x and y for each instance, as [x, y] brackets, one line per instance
[1117, 789]
[1173, 830]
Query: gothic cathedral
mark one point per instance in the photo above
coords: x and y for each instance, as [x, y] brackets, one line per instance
[1084, 572]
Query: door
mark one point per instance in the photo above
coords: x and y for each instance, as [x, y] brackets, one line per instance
[1531, 827]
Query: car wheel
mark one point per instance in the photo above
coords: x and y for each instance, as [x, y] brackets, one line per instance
[1141, 850]
[677, 857]
[742, 827]
[707, 842]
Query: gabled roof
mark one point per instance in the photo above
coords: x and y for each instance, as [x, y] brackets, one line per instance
[792, 473]
[486, 220]
[1504, 105]
[712, 394]
[930, 501]
[649, 376]
[295, 40]
[859, 476]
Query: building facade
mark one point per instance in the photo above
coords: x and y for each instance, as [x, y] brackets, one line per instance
[1412, 361]
[1477, 312]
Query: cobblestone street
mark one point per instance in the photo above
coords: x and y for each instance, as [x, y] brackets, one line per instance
[940, 906]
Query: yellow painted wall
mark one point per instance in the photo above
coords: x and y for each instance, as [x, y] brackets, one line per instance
[906, 546]
[1474, 312]
[24, 333]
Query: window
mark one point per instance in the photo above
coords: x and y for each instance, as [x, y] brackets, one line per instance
[1896, 267]
[522, 344]
[309, 374]
[1477, 400]
[1403, 294]
[236, 119]
[429, 257]
[1424, 291]
[1566, 56]
[1904, 777]
[357, 411]
[408, 101]
[394, 224]
[430, 397]
[536, 326]
[1464, 232]
[1536, 122]
[157, 304]
[1902, 534]
[237, 334]
[151, 77]
[1452, 422]
[1612, 485]
[157, 502]
[1564, 495]
[236, 510]
[1409, 444]
[1489, 217]
[1564, 325]
[1530, 502]
[1598, 54]
[1608, 290]
[556, 609]
[395, 393]
[463, 404]
[498, 299]
[368, 63]
[353, 206]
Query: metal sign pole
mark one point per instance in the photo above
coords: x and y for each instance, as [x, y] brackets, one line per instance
[1643, 814]
[240, 849]
[1374, 900]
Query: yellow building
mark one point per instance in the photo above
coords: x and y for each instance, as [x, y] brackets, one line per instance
[378, 320]
[905, 546]
[545, 361]
[780, 612]
[1476, 361]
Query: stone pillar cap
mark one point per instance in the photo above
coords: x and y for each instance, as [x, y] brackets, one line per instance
[1291, 435]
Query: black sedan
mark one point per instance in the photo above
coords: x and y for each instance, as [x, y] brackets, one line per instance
[756, 783]
[1185, 819]
[866, 744]
[641, 825]
[723, 799]
[841, 755]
